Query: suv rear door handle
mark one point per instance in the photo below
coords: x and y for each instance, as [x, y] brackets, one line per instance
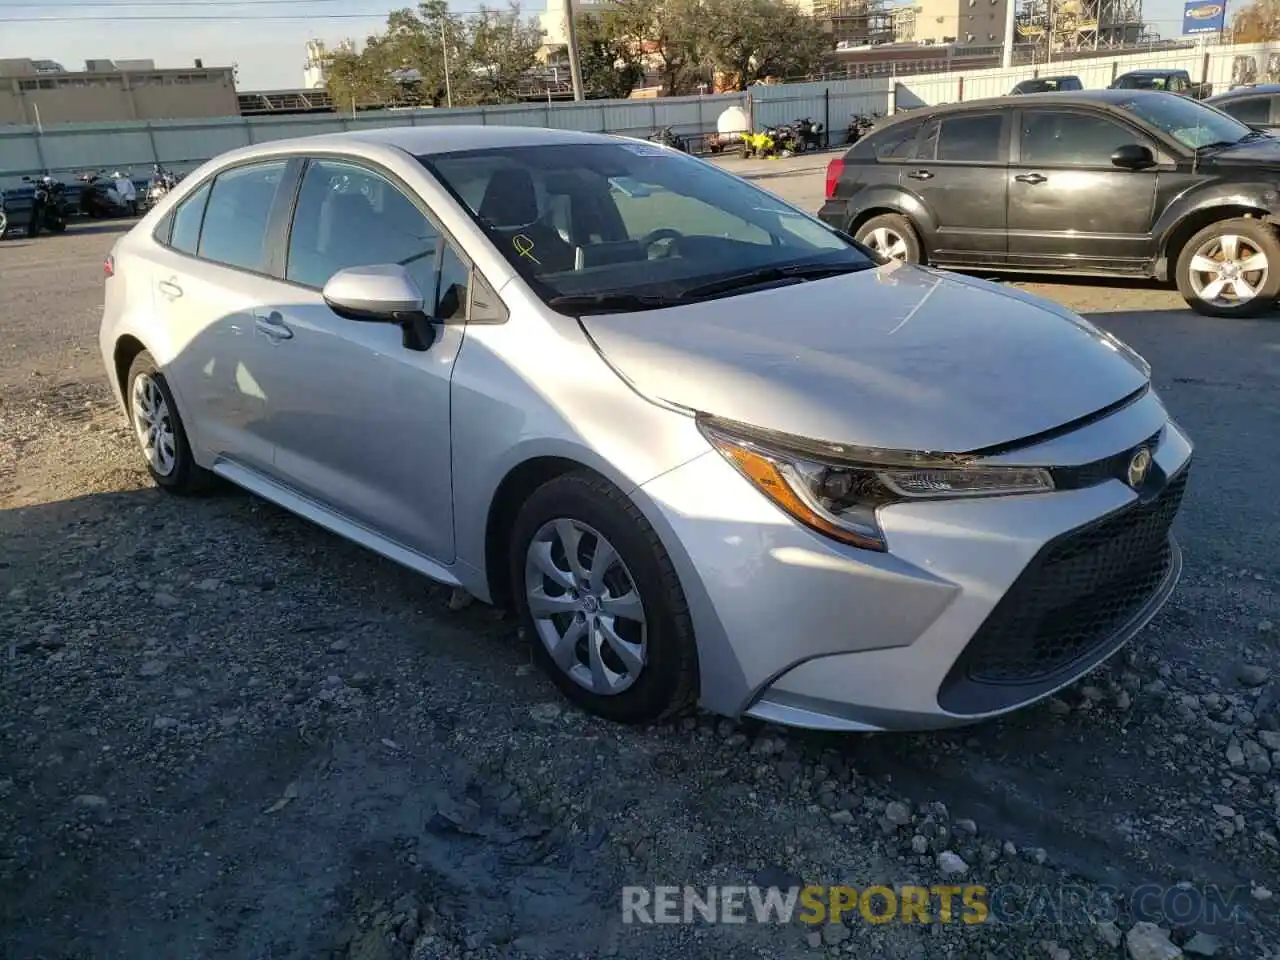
[170, 289]
[920, 175]
[273, 325]
[1030, 178]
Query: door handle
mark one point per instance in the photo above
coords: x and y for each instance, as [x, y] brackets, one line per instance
[170, 289]
[1030, 178]
[920, 175]
[272, 324]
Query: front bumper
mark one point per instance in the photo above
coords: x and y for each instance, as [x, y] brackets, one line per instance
[980, 607]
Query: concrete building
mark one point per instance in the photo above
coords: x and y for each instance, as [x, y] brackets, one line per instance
[128, 90]
[962, 22]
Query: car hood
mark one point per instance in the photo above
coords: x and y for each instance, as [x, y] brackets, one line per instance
[898, 357]
[1264, 151]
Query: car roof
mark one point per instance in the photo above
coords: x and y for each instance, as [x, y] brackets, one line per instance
[441, 138]
[1249, 90]
[1057, 98]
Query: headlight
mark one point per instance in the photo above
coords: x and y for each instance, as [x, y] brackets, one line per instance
[838, 495]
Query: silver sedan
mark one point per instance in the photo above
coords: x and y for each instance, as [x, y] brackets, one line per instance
[710, 449]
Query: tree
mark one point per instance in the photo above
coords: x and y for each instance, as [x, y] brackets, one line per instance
[502, 48]
[753, 39]
[673, 32]
[609, 58]
[1257, 23]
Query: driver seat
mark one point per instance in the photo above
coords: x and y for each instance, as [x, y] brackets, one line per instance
[510, 207]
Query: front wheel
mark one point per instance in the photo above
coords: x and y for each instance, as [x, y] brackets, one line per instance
[892, 236]
[600, 599]
[1230, 269]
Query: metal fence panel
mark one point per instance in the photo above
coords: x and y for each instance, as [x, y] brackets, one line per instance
[19, 153]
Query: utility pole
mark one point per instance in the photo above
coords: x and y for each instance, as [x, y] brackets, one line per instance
[448, 84]
[1009, 10]
[571, 35]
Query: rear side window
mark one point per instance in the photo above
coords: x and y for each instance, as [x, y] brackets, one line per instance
[965, 139]
[236, 216]
[896, 143]
[1255, 110]
[186, 222]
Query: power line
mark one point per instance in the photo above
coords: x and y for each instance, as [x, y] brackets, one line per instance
[187, 18]
[78, 4]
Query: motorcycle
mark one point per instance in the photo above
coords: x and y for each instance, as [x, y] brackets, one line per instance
[669, 138]
[860, 125]
[48, 209]
[161, 182]
[99, 198]
[810, 134]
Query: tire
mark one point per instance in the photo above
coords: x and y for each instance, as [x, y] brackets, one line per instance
[667, 681]
[891, 232]
[1237, 241]
[179, 473]
[4, 225]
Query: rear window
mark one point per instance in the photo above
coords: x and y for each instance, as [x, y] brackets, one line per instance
[897, 142]
[964, 139]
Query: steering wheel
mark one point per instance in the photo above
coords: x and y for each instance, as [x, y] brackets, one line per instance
[657, 236]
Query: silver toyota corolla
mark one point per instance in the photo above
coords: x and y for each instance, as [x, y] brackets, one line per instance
[709, 448]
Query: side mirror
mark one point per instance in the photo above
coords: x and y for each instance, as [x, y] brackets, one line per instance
[1133, 156]
[382, 293]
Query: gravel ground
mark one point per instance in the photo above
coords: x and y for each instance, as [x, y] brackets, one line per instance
[225, 733]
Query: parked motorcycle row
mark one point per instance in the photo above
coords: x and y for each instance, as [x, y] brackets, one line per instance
[46, 204]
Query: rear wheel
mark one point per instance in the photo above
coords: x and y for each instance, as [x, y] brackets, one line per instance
[601, 602]
[891, 236]
[1231, 269]
[153, 414]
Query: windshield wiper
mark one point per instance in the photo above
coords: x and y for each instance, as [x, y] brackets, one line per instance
[1220, 144]
[612, 302]
[762, 275]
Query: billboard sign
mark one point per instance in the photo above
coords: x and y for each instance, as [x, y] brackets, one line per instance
[1204, 16]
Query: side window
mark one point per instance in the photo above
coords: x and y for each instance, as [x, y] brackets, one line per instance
[1255, 110]
[898, 142]
[349, 216]
[1071, 138]
[186, 219]
[236, 216]
[970, 139]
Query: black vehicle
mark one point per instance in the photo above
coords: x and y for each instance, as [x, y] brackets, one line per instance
[1169, 81]
[1255, 104]
[1047, 85]
[48, 208]
[1103, 182]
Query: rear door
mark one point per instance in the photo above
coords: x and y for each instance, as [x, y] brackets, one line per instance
[958, 175]
[1069, 207]
[211, 273]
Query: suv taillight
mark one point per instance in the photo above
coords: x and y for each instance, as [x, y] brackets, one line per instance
[834, 169]
[109, 267]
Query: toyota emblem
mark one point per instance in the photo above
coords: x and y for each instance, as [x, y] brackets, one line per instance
[1139, 465]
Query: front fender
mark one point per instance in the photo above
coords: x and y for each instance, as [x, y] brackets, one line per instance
[1195, 200]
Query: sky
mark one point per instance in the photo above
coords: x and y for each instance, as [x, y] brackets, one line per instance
[266, 39]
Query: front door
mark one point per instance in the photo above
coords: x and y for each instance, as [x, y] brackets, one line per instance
[959, 176]
[359, 421]
[1069, 206]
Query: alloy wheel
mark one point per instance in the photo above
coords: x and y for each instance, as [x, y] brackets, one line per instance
[585, 606]
[1228, 271]
[153, 425]
[886, 242]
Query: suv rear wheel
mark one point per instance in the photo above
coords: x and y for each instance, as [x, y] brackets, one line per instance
[891, 236]
[1231, 269]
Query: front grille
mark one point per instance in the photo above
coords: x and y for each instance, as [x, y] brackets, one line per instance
[1076, 594]
[1114, 467]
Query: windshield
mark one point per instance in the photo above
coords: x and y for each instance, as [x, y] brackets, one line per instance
[1190, 122]
[634, 220]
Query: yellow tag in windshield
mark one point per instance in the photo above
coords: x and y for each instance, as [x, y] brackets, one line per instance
[524, 247]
